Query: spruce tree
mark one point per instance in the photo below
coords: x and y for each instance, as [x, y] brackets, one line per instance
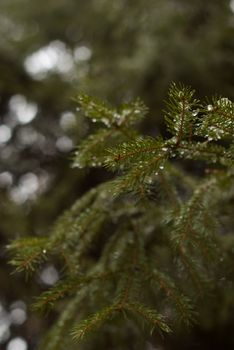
[138, 252]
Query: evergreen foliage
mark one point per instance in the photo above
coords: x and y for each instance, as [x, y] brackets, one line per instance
[145, 244]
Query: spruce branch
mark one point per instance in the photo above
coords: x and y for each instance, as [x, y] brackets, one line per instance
[181, 113]
[153, 319]
[91, 151]
[57, 338]
[218, 120]
[28, 253]
[128, 113]
[93, 322]
[182, 303]
[127, 154]
[152, 212]
[67, 287]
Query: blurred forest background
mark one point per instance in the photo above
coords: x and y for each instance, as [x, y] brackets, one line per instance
[116, 50]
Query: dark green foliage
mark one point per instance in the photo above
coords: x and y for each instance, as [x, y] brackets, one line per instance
[182, 110]
[211, 127]
[30, 252]
[147, 243]
[117, 123]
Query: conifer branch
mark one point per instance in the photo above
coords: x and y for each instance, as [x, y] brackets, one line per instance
[67, 287]
[182, 303]
[153, 210]
[57, 338]
[154, 319]
[28, 253]
[93, 322]
[181, 112]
